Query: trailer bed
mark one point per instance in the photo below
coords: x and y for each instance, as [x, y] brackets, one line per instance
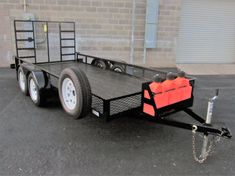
[104, 83]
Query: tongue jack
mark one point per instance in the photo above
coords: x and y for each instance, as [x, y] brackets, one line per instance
[208, 122]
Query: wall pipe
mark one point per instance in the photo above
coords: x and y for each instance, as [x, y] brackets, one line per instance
[144, 55]
[25, 6]
[133, 20]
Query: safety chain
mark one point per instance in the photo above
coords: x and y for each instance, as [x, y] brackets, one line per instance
[213, 141]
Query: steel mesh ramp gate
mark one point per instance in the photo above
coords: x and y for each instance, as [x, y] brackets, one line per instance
[45, 41]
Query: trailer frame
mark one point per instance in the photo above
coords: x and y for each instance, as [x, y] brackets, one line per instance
[133, 71]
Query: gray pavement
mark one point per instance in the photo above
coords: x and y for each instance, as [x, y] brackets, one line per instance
[46, 141]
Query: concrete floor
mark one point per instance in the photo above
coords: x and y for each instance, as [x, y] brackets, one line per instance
[46, 141]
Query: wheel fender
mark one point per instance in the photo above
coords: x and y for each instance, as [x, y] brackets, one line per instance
[40, 78]
[26, 68]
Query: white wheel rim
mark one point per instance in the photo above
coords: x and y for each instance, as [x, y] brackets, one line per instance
[118, 70]
[69, 94]
[33, 90]
[99, 65]
[22, 81]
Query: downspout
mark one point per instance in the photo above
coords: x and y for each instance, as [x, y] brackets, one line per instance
[133, 20]
[151, 24]
[25, 6]
[144, 54]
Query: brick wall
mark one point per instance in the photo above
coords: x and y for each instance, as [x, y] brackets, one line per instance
[103, 27]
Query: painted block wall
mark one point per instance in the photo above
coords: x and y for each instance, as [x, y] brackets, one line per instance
[103, 27]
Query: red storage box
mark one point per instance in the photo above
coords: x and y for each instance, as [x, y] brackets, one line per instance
[184, 88]
[186, 93]
[161, 100]
[146, 94]
[148, 109]
[169, 89]
[173, 96]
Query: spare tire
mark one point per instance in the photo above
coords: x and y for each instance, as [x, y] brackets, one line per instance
[75, 92]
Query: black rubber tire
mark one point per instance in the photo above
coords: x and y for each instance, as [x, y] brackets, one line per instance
[83, 92]
[99, 63]
[118, 68]
[41, 97]
[86, 91]
[25, 91]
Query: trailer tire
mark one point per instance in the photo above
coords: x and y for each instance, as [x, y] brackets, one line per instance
[87, 91]
[37, 95]
[118, 68]
[99, 63]
[22, 81]
[75, 92]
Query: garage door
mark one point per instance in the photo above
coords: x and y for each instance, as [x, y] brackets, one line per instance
[207, 32]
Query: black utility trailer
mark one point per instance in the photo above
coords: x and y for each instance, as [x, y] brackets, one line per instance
[89, 84]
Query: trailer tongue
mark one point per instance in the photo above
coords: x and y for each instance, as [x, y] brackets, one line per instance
[161, 99]
[104, 87]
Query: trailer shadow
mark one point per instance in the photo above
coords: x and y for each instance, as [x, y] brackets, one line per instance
[127, 126]
[53, 100]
